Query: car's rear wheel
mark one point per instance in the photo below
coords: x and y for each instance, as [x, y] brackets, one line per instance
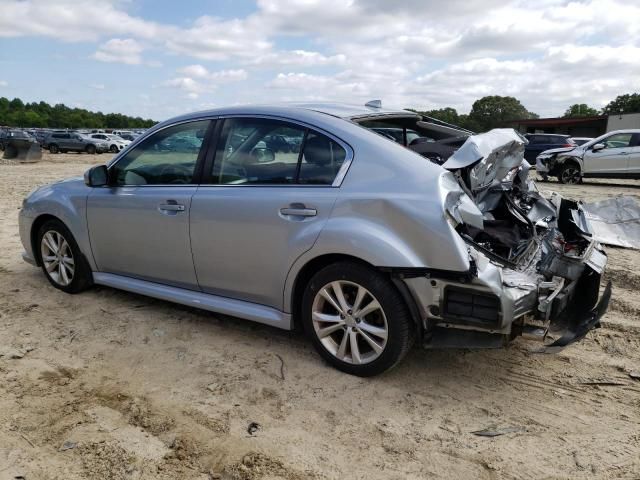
[356, 318]
[570, 174]
[113, 149]
[62, 262]
[91, 149]
[53, 148]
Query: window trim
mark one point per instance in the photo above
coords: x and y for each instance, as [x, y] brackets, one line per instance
[198, 169]
[207, 177]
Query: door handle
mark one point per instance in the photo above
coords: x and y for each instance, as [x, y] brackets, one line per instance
[623, 153]
[171, 207]
[299, 212]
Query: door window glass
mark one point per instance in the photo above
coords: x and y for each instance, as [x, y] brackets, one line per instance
[166, 157]
[258, 151]
[619, 140]
[321, 160]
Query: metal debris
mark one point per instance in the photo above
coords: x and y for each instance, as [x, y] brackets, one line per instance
[615, 221]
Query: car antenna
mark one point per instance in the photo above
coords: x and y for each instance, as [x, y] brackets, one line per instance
[374, 104]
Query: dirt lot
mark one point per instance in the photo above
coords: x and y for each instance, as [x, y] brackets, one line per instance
[111, 385]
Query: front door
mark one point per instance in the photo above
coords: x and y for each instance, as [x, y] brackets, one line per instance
[611, 160]
[139, 225]
[265, 205]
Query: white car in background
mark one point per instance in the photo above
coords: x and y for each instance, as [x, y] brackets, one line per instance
[613, 155]
[116, 143]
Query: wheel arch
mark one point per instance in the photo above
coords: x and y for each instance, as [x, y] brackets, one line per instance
[33, 235]
[314, 265]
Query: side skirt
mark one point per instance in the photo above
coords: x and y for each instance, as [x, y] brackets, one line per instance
[213, 303]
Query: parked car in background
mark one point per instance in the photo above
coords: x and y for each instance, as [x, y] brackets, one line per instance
[19, 144]
[74, 142]
[549, 155]
[129, 136]
[115, 142]
[613, 155]
[539, 142]
[385, 250]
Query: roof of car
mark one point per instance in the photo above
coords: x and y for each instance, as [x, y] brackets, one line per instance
[340, 110]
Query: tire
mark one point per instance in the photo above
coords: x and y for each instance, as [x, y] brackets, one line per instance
[113, 149]
[392, 319]
[90, 149]
[53, 148]
[10, 152]
[70, 276]
[569, 174]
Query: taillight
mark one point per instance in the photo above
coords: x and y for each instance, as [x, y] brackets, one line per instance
[568, 145]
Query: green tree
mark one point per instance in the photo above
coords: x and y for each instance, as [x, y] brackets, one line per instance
[627, 103]
[448, 114]
[580, 110]
[16, 113]
[496, 111]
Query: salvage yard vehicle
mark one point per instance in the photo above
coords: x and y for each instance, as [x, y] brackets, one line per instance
[115, 142]
[74, 142]
[352, 236]
[19, 145]
[539, 142]
[613, 155]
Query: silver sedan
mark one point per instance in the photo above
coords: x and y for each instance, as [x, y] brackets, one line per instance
[306, 215]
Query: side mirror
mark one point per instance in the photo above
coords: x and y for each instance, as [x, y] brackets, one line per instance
[97, 176]
[598, 146]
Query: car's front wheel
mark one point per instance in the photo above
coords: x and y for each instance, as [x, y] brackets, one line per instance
[570, 174]
[90, 149]
[356, 318]
[53, 148]
[62, 262]
[113, 149]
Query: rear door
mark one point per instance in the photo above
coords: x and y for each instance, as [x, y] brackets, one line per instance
[611, 160]
[139, 224]
[262, 208]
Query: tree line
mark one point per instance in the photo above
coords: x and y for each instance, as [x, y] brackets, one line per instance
[16, 113]
[496, 111]
[486, 113]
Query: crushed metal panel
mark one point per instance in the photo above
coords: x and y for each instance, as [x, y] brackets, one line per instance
[615, 221]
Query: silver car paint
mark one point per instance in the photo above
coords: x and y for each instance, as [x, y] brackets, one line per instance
[389, 211]
[130, 232]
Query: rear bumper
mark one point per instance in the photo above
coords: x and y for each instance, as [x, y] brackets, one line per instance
[500, 303]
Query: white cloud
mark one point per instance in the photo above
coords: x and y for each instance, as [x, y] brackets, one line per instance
[120, 50]
[4, 83]
[71, 20]
[97, 86]
[196, 79]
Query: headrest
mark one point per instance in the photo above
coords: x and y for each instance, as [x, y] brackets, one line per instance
[317, 150]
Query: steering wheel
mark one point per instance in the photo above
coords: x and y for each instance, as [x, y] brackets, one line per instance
[181, 173]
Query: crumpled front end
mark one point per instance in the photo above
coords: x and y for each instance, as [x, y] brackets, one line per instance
[537, 269]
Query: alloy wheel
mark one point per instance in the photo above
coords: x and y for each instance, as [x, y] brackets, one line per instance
[571, 175]
[349, 322]
[57, 257]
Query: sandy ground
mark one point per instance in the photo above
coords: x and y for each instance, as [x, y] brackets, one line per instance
[111, 385]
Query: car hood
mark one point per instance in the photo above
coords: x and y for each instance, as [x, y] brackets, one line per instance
[552, 151]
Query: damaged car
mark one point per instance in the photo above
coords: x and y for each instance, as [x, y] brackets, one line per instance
[349, 235]
[615, 154]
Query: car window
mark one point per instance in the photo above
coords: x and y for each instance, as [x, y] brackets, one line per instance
[619, 140]
[321, 160]
[258, 151]
[169, 156]
[272, 152]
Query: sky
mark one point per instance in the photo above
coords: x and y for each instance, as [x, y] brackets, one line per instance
[157, 59]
